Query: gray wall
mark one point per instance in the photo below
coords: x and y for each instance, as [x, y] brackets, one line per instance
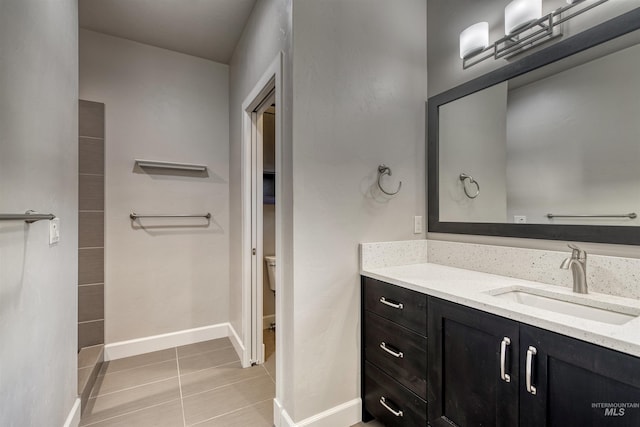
[359, 76]
[161, 105]
[356, 80]
[38, 170]
[266, 34]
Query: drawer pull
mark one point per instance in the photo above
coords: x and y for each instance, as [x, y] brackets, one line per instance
[397, 305]
[530, 353]
[394, 353]
[503, 360]
[383, 402]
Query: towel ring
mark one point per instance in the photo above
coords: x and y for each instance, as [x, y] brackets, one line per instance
[386, 170]
[463, 177]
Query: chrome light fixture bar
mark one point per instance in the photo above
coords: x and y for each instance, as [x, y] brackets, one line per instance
[532, 34]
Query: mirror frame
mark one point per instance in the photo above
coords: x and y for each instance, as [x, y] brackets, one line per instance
[609, 30]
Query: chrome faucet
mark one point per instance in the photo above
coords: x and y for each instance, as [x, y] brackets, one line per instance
[578, 263]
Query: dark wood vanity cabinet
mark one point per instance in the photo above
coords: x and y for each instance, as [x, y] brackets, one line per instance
[465, 382]
[430, 362]
[394, 354]
[569, 384]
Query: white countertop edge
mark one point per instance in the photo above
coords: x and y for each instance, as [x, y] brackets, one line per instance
[472, 289]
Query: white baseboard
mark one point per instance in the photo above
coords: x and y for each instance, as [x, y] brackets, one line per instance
[73, 419]
[238, 346]
[344, 415]
[277, 413]
[119, 350]
[267, 320]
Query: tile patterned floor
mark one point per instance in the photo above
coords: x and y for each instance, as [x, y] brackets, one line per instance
[200, 385]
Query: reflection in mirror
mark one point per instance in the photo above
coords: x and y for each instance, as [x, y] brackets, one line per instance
[559, 140]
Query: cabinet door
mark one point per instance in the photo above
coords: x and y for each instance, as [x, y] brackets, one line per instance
[464, 381]
[576, 383]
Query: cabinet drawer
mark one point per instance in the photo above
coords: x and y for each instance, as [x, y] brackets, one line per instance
[381, 389]
[404, 355]
[403, 306]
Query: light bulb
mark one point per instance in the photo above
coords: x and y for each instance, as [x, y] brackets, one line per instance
[520, 13]
[474, 39]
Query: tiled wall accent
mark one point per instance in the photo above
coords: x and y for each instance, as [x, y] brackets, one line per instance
[386, 254]
[91, 225]
[605, 274]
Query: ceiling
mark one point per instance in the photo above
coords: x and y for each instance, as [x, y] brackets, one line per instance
[205, 28]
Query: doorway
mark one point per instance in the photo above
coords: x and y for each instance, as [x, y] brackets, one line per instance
[261, 151]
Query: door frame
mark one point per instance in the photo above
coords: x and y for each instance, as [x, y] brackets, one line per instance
[252, 265]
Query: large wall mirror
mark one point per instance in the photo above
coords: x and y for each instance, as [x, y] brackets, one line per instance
[547, 147]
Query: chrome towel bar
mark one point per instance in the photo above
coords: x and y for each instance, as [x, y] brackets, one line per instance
[28, 217]
[135, 216]
[631, 215]
[156, 164]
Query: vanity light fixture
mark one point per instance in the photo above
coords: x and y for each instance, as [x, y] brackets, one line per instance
[525, 28]
[474, 39]
[520, 13]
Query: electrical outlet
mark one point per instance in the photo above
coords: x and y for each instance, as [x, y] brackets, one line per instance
[417, 224]
[54, 231]
[520, 219]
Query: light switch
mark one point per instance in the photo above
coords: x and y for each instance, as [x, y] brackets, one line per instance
[417, 224]
[54, 231]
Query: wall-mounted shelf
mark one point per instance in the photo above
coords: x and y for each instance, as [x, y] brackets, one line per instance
[156, 164]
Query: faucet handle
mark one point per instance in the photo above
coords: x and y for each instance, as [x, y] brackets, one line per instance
[577, 252]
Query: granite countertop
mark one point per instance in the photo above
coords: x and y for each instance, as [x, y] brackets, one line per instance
[474, 289]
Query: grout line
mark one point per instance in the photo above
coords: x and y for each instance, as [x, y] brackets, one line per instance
[184, 421]
[126, 413]
[90, 284]
[91, 321]
[268, 373]
[231, 412]
[202, 352]
[90, 247]
[90, 174]
[226, 385]
[129, 388]
[136, 367]
[91, 137]
[197, 371]
[200, 371]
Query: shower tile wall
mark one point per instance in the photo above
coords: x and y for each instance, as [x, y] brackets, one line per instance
[91, 225]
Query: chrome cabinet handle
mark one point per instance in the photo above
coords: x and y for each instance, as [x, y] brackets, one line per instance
[398, 354]
[397, 305]
[383, 402]
[530, 353]
[503, 360]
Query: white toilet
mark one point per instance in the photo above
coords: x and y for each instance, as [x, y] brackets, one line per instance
[271, 270]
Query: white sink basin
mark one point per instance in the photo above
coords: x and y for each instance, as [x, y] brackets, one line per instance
[571, 305]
